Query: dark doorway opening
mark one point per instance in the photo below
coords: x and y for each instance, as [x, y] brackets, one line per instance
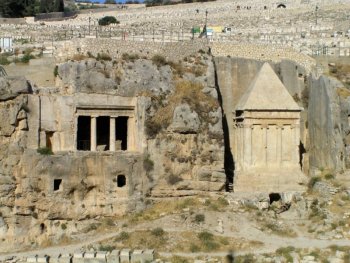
[302, 150]
[49, 137]
[121, 180]
[83, 133]
[121, 132]
[281, 6]
[103, 133]
[57, 184]
[274, 197]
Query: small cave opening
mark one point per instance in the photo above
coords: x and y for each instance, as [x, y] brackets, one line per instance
[42, 228]
[121, 180]
[121, 132]
[103, 132]
[57, 184]
[274, 197]
[83, 133]
[281, 6]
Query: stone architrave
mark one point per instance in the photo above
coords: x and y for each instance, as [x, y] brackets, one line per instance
[267, 137]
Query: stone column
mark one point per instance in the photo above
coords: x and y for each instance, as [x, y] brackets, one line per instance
[131, 134]
[112, 134]
[279, 145]
[93, 135]
[247, 146]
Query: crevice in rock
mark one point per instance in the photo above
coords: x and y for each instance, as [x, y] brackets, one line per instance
[229, 164]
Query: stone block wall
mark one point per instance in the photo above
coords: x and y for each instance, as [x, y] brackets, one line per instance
[116, 48]
[124, 255]
[273, 53]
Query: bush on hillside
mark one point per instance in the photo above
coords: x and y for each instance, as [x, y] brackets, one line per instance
[107, 20]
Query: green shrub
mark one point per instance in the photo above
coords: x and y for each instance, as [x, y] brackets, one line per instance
[207, 240]
[177, 67]
[130, 57]
[313, 181]
[63, 226]
[158, 232]
[55, 71]
[199, 218]
[122, 236]
[152, 128]
[108, 248]
[103, 56]
[44, 151]
[205, 236]
[26, 58]
[4, 60]
[173, 179]
[222, 201]
[107, 20]
[285, 252]
[194, 248]
[148, 164]
[159, 60]
[329, 176]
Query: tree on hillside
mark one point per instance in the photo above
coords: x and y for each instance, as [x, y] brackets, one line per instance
[109, 1]
[107, 20]
[18, 8]
[48, 6]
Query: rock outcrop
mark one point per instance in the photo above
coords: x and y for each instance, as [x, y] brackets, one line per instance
[176, 147]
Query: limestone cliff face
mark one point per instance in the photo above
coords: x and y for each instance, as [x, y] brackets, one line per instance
[177, 144]
[328, 124]
[13, 139]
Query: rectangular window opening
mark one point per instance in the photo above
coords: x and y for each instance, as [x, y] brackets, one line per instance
[57, 184]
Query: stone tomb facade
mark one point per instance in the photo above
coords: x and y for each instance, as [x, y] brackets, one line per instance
[102, 128]
[86, 122]
[267, 137]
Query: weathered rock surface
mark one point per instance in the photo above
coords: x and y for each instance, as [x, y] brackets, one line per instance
[11, 87]
[327, 124]
[185, 120]
[129, 78]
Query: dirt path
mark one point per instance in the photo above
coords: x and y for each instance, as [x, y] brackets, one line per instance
[246, 230]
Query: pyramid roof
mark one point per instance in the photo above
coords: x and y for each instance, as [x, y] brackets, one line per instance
[267, 92]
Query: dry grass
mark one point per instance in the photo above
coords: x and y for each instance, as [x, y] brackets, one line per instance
[279, 230]
[164, 207]
[178, 241]
[79, 57]
[341, 72]
[342, 92]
